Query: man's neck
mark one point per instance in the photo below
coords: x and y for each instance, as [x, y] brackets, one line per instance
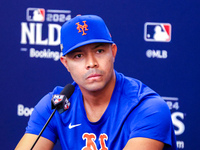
[100, 96]
[96, 102]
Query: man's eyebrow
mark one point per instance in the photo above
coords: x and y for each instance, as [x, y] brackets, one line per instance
[79, 50]
[74, 51]
[98, 45]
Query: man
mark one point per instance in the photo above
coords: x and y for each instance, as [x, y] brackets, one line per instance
[108, 110]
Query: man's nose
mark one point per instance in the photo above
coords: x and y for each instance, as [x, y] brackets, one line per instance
[91, 62]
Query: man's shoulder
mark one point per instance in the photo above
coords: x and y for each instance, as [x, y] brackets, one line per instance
[133, 87]
[135, 93]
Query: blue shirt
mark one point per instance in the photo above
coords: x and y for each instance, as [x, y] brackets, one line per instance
[134, 110]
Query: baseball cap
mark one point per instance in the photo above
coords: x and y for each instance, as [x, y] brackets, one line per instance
[82, 30]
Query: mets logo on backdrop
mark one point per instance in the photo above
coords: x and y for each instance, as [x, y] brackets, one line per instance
[157, 32]
[35, 14]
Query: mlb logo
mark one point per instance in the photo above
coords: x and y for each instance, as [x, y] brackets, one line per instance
[35, 14]
[66, 105]
[157, 32]
[57, 98]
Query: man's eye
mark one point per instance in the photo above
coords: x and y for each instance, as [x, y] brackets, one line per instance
[100, 51]
[78, 56]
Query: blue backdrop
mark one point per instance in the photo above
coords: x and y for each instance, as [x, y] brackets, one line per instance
[169, 64]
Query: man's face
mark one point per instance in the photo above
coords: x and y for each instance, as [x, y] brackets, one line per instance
[91, 66]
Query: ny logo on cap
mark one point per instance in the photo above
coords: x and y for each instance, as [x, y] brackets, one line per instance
[82, 27]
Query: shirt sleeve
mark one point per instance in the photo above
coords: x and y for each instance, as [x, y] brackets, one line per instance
[152, 119]
[39, 117]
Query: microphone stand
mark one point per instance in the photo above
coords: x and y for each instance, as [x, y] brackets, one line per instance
[43, 128]
[60, 106]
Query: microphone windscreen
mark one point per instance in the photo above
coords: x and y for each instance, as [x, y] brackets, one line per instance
[67, 90]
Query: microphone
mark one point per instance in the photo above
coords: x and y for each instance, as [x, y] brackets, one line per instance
[60, 103]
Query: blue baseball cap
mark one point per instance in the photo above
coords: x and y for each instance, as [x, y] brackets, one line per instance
[82, 30]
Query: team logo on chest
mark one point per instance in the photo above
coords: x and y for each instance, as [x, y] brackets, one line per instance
[90, 141]
[82, 28]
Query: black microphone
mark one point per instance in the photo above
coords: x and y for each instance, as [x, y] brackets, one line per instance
[59, 102]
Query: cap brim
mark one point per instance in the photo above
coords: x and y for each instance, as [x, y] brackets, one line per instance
[85, 43]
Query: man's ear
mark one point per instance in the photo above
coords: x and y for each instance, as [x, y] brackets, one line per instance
[64, 62]
[114, 51]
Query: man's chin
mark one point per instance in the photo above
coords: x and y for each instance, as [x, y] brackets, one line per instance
[94, 87]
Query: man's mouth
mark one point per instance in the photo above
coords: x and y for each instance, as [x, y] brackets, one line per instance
[94, 76]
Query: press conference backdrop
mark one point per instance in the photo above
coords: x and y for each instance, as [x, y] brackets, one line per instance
[158, 43]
